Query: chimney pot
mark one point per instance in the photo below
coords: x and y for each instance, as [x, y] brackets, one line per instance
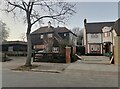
[49, 24]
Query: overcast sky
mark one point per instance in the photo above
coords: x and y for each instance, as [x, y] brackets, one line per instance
[92, 11]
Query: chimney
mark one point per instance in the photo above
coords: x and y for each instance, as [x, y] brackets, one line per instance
[49, 24]
[85, 21]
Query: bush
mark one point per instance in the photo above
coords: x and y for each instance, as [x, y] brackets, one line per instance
[54, 58]
[5, 57]
[73, 58]
[109, 54]
[80, 50]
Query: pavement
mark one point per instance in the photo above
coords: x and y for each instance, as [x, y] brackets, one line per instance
[50, 67]
[93, 71]
[42, 66]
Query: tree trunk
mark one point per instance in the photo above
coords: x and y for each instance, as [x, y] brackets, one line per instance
[29, 51]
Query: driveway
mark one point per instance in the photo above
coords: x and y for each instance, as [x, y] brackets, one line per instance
[93, 63]
[83, 73]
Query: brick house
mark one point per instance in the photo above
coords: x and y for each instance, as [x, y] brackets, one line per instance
[48, 38]
[97, 37]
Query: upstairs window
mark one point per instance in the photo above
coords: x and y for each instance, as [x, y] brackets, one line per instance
[41, 36]
[65, 34]
[94, 35]
[106, 34]
[50, 35]
[10, 48]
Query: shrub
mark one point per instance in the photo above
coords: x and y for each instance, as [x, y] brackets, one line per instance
[73, 58]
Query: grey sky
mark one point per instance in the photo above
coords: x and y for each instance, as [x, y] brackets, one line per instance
[92, 11]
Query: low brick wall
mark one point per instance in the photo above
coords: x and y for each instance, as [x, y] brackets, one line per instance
[119, 50]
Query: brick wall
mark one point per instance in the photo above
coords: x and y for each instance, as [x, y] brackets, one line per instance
[117, 50]
[68, 52]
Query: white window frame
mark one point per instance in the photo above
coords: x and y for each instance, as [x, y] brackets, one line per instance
[107, 34]
[94, 35]
[65, 34]
[55, 49]
[41, 36]
[50, 35]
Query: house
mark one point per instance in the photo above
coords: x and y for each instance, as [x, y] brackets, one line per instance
[97, 37]
[14, 47]
[48, 38]
[116, 37]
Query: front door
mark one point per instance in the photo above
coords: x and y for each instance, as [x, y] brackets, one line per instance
[107, 47]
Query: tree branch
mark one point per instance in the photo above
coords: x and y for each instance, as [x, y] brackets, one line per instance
[24, 4]
[10, 10]
[31, 8]
[15, 5]
[48, 17]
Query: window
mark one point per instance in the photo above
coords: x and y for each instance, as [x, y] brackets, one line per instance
[41, 36]
[95, 47]
[65, 34]
[55, 49]
[106, 34]
[50, 35]
[94, 36]
[10, 49]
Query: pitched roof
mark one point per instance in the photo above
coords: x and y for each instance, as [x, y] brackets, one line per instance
[51, 29]
[117, 27]
[97, 27]
[63, 30]
[45, 29]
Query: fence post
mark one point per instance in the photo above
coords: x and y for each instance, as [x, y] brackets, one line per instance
[68, 52]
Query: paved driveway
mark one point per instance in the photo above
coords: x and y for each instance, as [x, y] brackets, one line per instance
[94, 63]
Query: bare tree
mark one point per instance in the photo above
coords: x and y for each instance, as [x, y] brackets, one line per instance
[79, 33]
[4, 31]
[76, 30]
[57, 10]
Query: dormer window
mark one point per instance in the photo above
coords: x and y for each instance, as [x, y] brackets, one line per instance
[41, 36]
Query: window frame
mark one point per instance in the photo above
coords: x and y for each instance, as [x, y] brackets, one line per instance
[56, 49]
[50, 35]
[41, 36]
[65, 34]
[93, 36]
[106, 34]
